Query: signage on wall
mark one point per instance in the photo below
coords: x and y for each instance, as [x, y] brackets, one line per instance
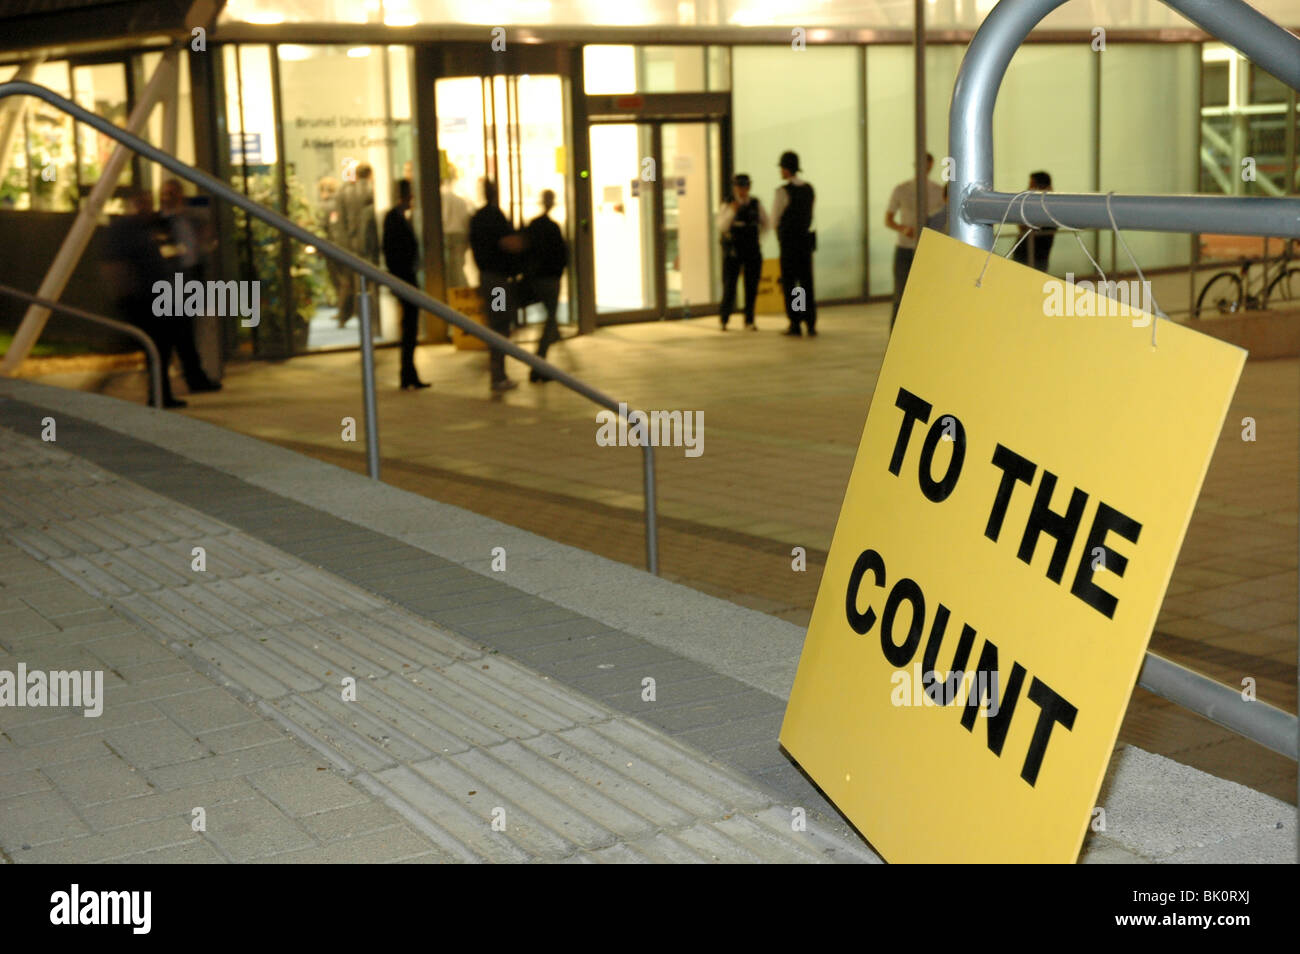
[246, 148]
[1015, 509]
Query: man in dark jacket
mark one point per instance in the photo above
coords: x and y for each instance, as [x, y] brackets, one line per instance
[792, 215]
[402, 256]
[548, 256]
[134, 264]
[496, 248]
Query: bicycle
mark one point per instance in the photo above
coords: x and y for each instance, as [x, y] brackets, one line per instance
[1229, 292]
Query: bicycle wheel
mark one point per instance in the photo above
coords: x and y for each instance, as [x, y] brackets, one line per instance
[1222, 295]
[1285, 289]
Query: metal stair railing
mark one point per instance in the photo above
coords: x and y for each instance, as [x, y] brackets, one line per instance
[156, 370]
[976, 207]
[366, 272]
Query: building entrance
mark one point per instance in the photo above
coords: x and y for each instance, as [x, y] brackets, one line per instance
[657, 168]
[510, 130]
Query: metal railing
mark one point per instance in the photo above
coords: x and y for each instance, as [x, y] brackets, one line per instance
[156, 370]
[367, 272]
[976, 207]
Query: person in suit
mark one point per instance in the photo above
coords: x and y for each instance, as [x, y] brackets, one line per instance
[792, 216]
[133, 263]
[496, 247]
[548, 256]
[184, 250]
[402, 258]
[741, 220]
[359, 235]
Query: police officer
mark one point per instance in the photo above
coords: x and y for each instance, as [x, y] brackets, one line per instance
[742, 221]
[792, 215]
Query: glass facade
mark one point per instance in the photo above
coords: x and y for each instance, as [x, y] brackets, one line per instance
[860, 14]
[298, 121]
[815, 110]
[53, 162]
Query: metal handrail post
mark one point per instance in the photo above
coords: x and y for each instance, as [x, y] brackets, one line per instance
[970, 118]
[152, 360]
[368, 383]
[651, 521]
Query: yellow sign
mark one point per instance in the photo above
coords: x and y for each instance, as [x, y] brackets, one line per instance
[769, 300]
[1019, 497]
[468, 302]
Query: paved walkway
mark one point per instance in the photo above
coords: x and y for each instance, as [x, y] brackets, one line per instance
[223, 694]
[522, 690]
[783, 418]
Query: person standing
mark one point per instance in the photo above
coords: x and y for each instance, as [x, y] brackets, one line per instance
[402, 258]
[1035, 250]
[456, 212]
[902, 217]
[792, 215]
[741, 220]
[183, 252]
[548, 256]
[360, 236]
[496, 247]
[134, 264]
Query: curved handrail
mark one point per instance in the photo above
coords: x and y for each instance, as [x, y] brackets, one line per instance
[970, 134]
[156, 370]
[405, 292]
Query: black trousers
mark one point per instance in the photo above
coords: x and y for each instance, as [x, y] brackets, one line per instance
[410, 334]
[502, 322]
[547, 290]
[797, 272]
[1035, 250]
[139, 310]
[732, 268]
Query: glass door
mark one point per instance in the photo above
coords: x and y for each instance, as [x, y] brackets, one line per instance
[510, 129]
[623, 201]
[655, 185]
[690, 195]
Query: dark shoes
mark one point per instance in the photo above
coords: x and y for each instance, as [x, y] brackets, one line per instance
[171, 403]
[536, 376]
[792, 332]
[417, 384]
[204, 386]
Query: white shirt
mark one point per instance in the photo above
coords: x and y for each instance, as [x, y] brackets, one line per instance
[782, 199]
[726, 215]
[902, 202]
[456, 211]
